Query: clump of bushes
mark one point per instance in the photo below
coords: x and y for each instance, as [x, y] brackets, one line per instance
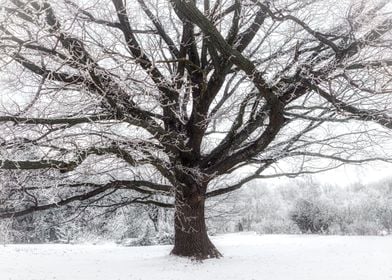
[312, 216]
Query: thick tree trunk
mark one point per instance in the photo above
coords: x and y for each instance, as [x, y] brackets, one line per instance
[191, 239]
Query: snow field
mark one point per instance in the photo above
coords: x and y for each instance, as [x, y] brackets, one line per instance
[247, 256]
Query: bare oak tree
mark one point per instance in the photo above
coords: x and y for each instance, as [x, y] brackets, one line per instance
[173, 102]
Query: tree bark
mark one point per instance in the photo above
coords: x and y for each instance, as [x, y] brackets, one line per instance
[191, 238]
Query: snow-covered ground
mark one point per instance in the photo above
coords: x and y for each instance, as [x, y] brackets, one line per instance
[246, 256]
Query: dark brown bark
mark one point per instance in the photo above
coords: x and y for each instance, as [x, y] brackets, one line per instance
[191, 238]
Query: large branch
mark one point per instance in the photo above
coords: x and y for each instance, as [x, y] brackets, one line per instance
[66, 166]
[141, 186]
[62, 202]
[357, 113]
[256, 175]
[29, 165]
[55, 121]
[170, 96]
[187, 9]
[305, 77]
[160, 30]
[136, 185]
[238, 185]
[276, 121]
[246, 37]
[318, 35]
[237, 134]
[50, 74]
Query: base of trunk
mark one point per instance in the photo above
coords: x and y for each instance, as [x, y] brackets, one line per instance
[191, 238]
[198, 248]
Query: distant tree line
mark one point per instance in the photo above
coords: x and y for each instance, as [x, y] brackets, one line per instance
[309, 207]
[301, 207]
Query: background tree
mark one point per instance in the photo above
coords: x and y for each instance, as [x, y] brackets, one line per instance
[172, 102]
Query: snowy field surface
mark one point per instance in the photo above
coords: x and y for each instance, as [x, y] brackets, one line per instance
[246, 256]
